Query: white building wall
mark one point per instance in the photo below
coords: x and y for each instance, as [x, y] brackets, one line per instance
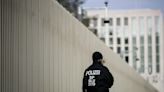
[120, 31]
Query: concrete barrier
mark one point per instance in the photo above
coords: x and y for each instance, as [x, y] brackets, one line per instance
[45, 49]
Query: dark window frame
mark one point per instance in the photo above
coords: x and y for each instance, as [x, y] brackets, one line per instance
[118, 21]
[126, 22]
[118, 40]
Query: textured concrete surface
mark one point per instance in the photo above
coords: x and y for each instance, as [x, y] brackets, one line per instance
[45, 49]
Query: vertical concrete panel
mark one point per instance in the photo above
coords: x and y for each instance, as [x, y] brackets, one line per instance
[45, 25]
[78, 55]
[71, 54]
[55, 48]
[52, 51]
[59, 13]
[61, 44]
[51, 48]
[0, 45]
[64, 54]
[12, 49]
[29, 46]
[22, 45]
[74, 55]
[5, 30]
[3, 49]
[35, 46]
[41, 47]
[16, 47]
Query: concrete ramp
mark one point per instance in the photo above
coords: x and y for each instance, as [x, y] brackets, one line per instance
[45, 49]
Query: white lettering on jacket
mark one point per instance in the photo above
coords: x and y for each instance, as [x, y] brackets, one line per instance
[92, 72]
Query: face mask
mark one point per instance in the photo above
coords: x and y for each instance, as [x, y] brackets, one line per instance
[102, 61]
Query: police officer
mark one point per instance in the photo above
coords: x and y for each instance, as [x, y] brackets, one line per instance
[97, 77]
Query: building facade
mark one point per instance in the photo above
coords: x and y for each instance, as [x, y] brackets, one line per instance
[136, 35]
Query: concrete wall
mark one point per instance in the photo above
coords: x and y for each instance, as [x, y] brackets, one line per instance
[45, 49]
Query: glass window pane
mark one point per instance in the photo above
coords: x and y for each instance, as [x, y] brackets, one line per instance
[149, 40]
[157, 63]
[110, 21]
[111, 41]
[150, 60]
[118, 49]
[102, 22]
[118, 41]
[127, 59]
[126, 21]
[126, 41]
[134, 40]
[157, 39]
[118, 21]
[142, 40]
[142, 59]
[103, 39]
[134, 53]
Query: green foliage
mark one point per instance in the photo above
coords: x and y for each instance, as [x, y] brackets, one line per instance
[71, 5]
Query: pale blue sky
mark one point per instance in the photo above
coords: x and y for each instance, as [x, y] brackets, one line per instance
[127, 4]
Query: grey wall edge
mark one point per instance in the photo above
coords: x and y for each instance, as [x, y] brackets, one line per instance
[45, 49]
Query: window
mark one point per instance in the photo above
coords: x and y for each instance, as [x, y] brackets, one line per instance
[157, 64]
[157, 44]
[134, 61]
[150, 59]
[142, 51]
[150, 69]
[134, 40]
[103, 39]
[102, 21]
[110, 21]
[157, 49]
[118, 41]
[126, 41]
[126, 49]
[134, 56]
[118, 21]
[110, 33]
[150, 50]
[94, 31]
[126, 21]
[157, 39]
[142, 40]
[118, 49]
[142, 59]
[127, 59]
[110, 40]
[94, 22]
[149, 39]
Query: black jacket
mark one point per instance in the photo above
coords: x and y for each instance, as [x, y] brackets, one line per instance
[97, 78]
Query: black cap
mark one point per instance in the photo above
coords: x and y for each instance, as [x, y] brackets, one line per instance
[97, 56]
